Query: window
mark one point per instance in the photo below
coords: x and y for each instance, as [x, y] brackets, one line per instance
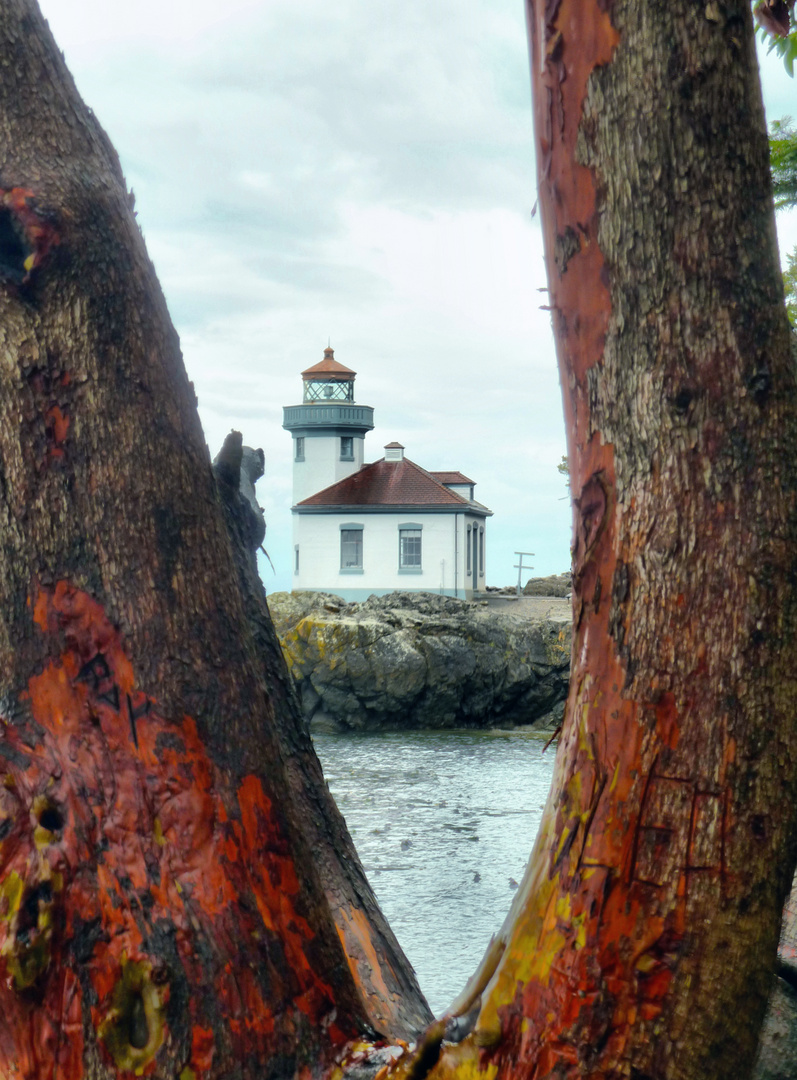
[409, 549]
[347, 448]
[467, 548]
[299, 448]
[323, 390]
[481, 552]
[351, 548]
[296, 559]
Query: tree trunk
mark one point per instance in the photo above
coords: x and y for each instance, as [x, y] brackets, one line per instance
[391, 995]
[642, 941]
[161, 905]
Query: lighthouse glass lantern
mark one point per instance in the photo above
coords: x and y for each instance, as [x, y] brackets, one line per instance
[328, 381]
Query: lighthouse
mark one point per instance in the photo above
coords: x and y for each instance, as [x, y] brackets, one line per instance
[361, 530]
[328, 428]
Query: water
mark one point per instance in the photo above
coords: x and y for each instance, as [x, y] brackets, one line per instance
[444, 824]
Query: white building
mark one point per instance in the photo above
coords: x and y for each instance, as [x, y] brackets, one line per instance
[362, 529]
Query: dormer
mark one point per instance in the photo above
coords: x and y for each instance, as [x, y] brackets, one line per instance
[456, 482]
[394, 451]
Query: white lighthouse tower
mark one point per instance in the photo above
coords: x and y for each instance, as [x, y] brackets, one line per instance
[328, 428]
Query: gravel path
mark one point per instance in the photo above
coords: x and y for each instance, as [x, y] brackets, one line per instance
[555, 608]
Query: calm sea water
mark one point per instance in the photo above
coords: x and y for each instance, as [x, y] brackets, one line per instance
[443, 824]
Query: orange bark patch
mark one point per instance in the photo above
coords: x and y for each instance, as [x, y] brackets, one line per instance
[51, 409]
[57, 426]
[148, 856]
[26, 235]
[354, 931]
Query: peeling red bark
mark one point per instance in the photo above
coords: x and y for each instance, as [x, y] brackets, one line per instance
[116, 822]
[665, 829]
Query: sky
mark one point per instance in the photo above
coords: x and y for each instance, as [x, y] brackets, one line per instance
[362, 175]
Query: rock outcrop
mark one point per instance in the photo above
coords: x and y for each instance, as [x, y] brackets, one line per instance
[419, 660]
[553, 585]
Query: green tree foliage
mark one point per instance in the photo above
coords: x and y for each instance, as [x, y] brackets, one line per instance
[776, 22]
[783, 162]
[790, 286]
[564, 468]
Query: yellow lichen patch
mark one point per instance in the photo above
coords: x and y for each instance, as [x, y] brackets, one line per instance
[133, 1028]
[530, 952]
[11, 889]
[646, 963]
[25, 965]
[572, 790]
[26, 950]
[562, 908]
[470, 1070]
[462, 1062]
[615, 777]
[579, 924]
[42, 837]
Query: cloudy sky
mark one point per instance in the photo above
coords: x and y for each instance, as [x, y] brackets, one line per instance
[358, 173]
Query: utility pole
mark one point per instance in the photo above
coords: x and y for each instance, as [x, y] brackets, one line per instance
[520, 567]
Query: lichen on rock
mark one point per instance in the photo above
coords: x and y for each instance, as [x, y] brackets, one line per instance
[419, 660]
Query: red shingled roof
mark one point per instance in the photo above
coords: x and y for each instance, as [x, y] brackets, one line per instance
[450, 477]
[387, 483]
[328, 366]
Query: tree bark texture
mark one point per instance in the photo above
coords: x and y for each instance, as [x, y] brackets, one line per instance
[394, 1003]
[162, 910]
[642, 941]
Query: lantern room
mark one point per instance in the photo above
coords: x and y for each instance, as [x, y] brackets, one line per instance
[328, 380]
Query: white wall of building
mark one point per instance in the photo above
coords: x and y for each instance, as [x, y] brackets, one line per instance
[322, 464]
[444, 561]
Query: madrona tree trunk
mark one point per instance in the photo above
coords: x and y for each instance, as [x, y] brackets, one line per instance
[642, 940]
[394, 1003]
[167, 866]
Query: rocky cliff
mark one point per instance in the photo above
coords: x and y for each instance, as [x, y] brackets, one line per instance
[419, 660]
